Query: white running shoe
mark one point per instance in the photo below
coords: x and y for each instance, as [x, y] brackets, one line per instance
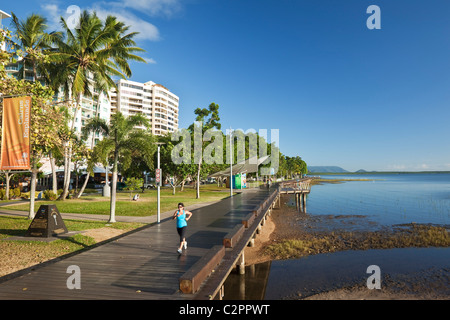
[180, 251]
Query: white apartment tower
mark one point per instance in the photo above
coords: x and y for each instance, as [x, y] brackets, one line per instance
[150, 99]
[96, 107]
[3, 15]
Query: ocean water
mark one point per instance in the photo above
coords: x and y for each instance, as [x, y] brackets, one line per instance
[383, 200]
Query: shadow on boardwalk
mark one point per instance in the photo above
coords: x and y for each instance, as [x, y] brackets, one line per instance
[140, 265]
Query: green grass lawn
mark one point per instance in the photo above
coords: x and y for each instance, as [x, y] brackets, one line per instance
[145, 206]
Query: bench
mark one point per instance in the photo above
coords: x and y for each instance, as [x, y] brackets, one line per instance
[248, 220]
[257, 210]
[233, 236]
[192, 279]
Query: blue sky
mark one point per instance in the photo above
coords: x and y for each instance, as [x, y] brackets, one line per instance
[339, 93]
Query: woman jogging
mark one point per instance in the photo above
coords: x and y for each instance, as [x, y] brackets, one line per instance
[182, 216]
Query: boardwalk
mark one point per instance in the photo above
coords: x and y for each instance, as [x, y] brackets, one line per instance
[141, 265]
[299, 188]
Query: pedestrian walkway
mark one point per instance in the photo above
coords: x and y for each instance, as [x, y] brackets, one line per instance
[141, 265]
[4, 211]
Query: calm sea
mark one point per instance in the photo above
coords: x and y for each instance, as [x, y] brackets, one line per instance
[386, 199]
[383, 200]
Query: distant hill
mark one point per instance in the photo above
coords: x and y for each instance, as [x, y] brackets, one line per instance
[326, 169]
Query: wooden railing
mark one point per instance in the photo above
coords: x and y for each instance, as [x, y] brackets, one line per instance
[299, 185]
[218, 262]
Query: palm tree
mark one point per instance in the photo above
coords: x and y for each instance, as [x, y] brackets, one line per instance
[94, 125]
[33, 40]
[122, 140]
[91, 54]
[94, 53]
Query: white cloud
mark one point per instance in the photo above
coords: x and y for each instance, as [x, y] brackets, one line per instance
[53, 14]
[146, 30]
[153, 7]
[150, 60]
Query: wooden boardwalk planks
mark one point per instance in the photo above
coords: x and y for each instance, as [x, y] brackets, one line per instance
[141, 265]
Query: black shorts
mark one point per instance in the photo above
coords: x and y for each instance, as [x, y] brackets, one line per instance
[182, 233]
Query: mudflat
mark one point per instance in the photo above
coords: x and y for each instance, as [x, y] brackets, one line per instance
[289, 234]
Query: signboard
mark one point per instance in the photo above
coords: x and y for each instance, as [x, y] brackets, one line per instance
[237, 181]
[158, 177]
[46, 223]
[240, 181]
[15, 151]
[243, 180]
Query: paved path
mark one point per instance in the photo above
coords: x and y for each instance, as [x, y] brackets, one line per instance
[4, 211]
[141, 265]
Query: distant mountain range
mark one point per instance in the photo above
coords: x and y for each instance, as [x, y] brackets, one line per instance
[336, 169]
[328, 169]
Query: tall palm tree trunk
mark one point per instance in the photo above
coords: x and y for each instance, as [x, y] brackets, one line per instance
[112, 214]
[67, 171]
[68, 152]
[34, 172]
[198, 180]
[54, 177]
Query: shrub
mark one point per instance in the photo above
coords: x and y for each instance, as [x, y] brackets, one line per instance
[16, 192]
[49, 195]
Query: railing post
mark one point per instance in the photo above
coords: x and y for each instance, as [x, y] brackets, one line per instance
[241, 262]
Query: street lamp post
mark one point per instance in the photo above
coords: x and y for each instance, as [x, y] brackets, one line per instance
[158, 185]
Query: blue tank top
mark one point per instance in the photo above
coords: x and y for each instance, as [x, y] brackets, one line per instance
[181, 220]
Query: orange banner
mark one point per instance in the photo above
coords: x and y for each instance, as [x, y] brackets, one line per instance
[15, 152]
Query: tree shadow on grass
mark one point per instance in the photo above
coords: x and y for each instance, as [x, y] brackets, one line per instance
[13, 232]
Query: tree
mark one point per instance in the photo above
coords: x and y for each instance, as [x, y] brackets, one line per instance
[91, 54]
[121, 141]
[31, 45]
[210, 123]
[8, 177]
[45, 119]
[133, 184]
[292, 166]
[33, 40]
[176, 174]
[94, 125]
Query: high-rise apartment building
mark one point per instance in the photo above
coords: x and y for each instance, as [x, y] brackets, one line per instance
[96, 106]
[150, 99]
[3, 15]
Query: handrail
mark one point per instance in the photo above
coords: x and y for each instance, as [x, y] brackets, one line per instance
[303, 184]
